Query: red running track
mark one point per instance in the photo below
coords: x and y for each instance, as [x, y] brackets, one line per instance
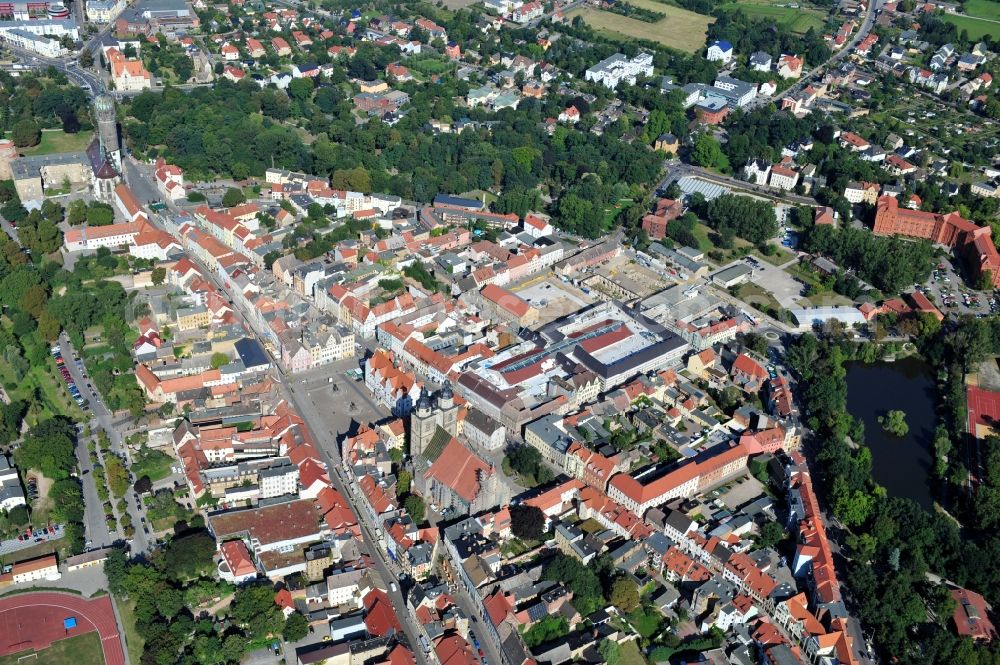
[35, 620]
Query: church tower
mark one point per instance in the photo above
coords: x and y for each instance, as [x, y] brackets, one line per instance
[104, 152]
[449, 410]
[423, 423]
[107, 130]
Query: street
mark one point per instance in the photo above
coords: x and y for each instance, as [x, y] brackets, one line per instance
[101, 417]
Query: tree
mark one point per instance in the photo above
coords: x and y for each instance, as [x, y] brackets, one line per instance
[100, 214]
[301, 89]
[771, 534]
[403, 481]
[18, 515]
[756, 342]
[610, 651]
[77, 213]
[415, 507]
[254, 608]
[624, 594]
[219, 359]
[189, 556]
[48, 447]
[158, 275]
[26, 133]
[233, 197]
[296, 627]
[581, 580]
[143, 485]
[708, 153]
[527, 522]
[894, 422]
[117, 475]
[116, 570]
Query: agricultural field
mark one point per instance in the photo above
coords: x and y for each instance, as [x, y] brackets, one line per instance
[680, 29]
[798, 19]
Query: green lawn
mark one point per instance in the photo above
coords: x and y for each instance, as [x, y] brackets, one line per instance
[701, 233]
[478, 194]
[983, 9]
[153, 463]
[78, 650]
[976, 28]
[133, 641]
[53, 399]
[756, 295]
[56, 140]
[647, 621]
[804, 273]
[430, 65]
[630, 654]
[780, 257]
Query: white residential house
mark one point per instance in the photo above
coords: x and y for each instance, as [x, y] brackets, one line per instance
[757, 171]
[783, 177]
[760, 61]
[11, 495]
[617, 68]
[719, 51]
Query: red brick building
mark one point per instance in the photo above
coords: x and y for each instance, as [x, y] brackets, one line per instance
[972, 243]
[655, 223]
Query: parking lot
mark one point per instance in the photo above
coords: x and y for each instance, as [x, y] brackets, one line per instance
[30, 538]
[948, 291]
[785, 289]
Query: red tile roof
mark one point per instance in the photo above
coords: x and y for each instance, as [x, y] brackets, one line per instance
[505, 300]
[459, 469]
[381, 619]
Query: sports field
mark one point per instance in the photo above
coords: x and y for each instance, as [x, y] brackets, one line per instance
[80, 650]
[680, 29]
[42, 622]
[798, 19]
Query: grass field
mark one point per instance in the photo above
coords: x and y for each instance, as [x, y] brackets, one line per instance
[704, 242]
[975, 27]
[646, 621]
[680, 29]
[133, 642]
[41, 381]
[757, 296]
[797, 20]
[79, 650]
[780, 257]
[154, 464]
[430, 65]
[630, 654]
[983, 9]
[55, 140]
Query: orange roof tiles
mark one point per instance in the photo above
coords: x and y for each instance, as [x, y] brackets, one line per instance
[459, 469]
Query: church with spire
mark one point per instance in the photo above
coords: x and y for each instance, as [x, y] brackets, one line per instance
[104, 152]
[430, 413]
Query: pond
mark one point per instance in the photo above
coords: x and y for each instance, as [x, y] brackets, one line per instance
[902, 465]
